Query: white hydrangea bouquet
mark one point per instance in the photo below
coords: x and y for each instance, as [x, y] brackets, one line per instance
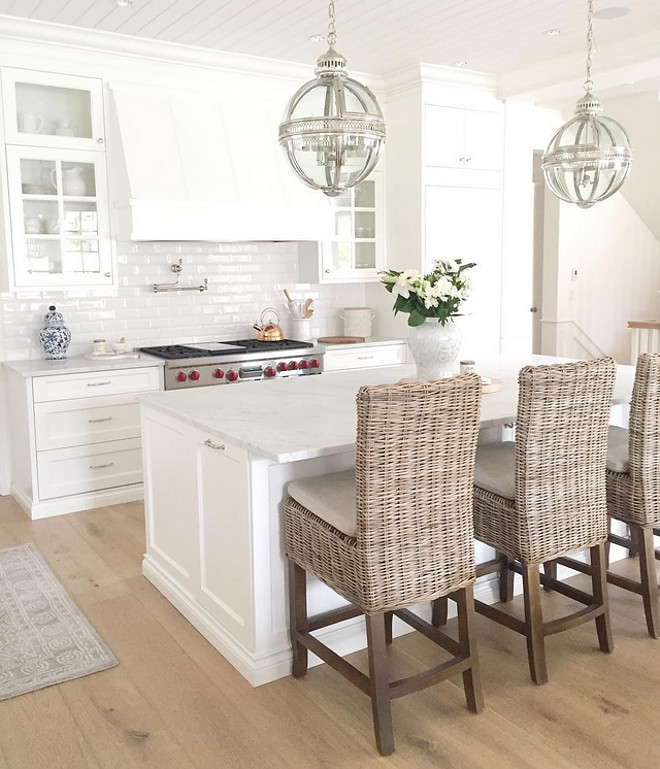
[436, 295]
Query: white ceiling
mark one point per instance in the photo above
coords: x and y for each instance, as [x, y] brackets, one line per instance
[378, 36]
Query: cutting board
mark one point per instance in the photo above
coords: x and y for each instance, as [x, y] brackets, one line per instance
[340, 340]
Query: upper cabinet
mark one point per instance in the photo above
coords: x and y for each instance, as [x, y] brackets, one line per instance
[463, 138]
[355, 251]
[43, 109]
[56, 181]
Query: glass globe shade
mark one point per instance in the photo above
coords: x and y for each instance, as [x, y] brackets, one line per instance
[589, 157]
[333, 131]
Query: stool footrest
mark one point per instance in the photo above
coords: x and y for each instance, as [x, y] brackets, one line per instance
[419, 681]
[350, 672]
[432, 633]
[624, 582]
[497, 615]
[332, 617]
[579, 617]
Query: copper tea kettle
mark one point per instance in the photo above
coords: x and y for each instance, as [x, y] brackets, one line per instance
[269, 329]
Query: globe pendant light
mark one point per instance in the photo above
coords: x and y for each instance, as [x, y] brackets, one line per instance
[333, 130]
[589, 157]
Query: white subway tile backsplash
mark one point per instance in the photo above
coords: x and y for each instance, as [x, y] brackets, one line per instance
[244, 278]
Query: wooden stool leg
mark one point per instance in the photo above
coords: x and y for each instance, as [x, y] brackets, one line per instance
[474, 695]
[649, 580]
[379, 683]
[599, 588]
[439, 609]
[389, 616]
[550, 570]
[534, 622]
[505, 579]
[298, 616]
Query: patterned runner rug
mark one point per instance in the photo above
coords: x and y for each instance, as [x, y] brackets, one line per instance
[44, 639]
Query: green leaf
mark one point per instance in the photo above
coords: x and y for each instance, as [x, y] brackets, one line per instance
[416, 318]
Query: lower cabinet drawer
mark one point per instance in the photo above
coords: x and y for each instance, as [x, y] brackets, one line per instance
[63, 472]
[365, 357]
[57, 387]
[59, 424]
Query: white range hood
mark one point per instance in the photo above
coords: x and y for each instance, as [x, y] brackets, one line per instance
[206, 167]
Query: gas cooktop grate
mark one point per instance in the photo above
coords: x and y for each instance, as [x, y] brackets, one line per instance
[181, 351]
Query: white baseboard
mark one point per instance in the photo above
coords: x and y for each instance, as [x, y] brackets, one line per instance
[65, 505]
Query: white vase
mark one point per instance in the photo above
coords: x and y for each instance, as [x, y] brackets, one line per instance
[434, 348]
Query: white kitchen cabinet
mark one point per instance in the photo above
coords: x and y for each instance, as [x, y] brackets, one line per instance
[60, 232]
[349, 357]
[207, 551]
[466, 223]
[76, 438]
[58, 111]
[356, 250]
[463, 138]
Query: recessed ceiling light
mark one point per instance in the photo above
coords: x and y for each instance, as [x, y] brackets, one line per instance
[123, 3]
[317, 38]
[615, 12]
[552, 32]
[460, 63]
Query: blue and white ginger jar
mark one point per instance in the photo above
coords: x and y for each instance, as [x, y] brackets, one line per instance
[54, 336]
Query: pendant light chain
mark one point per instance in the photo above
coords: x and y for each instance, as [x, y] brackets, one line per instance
[589, 83]
[332, 32]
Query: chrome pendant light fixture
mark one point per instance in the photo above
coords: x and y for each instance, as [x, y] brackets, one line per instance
[333, 130]
[589, 157]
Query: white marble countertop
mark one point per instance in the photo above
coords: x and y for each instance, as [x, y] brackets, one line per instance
[370, 341]
[78, 365]
[287, 420]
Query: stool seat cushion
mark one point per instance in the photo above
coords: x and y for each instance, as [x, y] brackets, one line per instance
[617, 450]
[330, 497]
[495, 469]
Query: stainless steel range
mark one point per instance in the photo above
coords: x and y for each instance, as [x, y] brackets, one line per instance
[215, 363]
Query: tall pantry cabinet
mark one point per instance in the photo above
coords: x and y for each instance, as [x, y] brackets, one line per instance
[444, 161]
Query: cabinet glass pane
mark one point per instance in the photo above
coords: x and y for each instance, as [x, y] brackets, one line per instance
[345, 200]
[365, 195]
[81, 219]
[343, 224]
[365, 224]
[365, 256]
[40, 217]
[81, 255]
[45, 109]
[78, 180]
[342, 255]
[42, 255]
[38, 177]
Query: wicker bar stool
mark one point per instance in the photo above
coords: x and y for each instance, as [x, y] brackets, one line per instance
[544, 496]
[633, 485]
[395, 532]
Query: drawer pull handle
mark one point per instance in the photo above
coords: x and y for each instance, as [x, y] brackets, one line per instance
[218, 447]
[98, 384]
[365, 357]
[94, 421]
[101, 467]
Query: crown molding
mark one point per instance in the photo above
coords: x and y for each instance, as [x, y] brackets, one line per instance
[13, 29]
[416, 77]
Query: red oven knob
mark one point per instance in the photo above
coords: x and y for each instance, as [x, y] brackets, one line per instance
[232, 376]
[281, 366]
[293, 365]
[194, 375]
[304, 364]
[315, 363]
[270, 371]
[218, 373]
[181, 376]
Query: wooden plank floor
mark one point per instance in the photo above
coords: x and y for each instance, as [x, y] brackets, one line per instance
[173, 701]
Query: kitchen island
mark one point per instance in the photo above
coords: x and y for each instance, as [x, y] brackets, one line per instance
[216, 465]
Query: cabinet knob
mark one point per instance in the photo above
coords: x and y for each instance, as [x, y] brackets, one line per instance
[107, 274]
[533, 309]
[468, 160]
[99, 141]
[328, 271]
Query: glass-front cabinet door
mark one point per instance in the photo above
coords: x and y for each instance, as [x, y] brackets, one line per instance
[355, 251]
[53, 110]
[58, 207]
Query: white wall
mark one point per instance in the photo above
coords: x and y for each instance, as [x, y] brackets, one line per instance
[618, 262]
